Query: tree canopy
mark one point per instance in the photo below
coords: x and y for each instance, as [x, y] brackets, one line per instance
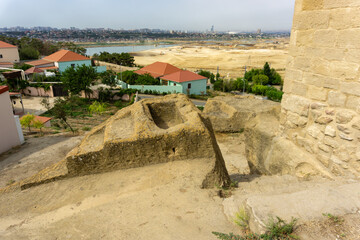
[123, 59]
[79, 78]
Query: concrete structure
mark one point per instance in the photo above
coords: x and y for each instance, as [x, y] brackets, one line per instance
[8, 53]
[63, 59]
[321, 104]
[11, 136]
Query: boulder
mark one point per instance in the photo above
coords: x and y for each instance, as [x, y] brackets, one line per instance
[152, 131]
[232, 113]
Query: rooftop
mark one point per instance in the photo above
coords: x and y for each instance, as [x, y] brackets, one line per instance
[183, 76]
[3, 89]
[6, 45]
[65, 56]
[33, 70]
[39, 62]
[158, 69]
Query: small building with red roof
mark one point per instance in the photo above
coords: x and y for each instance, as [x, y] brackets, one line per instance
[8, 53]
[62, 60]
[170, 75]
[158, 69]
[191, 83]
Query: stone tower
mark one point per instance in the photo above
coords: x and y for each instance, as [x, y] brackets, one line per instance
[321, 105]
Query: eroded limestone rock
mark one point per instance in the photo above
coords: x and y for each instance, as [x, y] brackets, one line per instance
[152, 131]
[231, 114]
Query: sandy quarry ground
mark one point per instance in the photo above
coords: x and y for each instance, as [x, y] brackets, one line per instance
[162, 201]
[231, 62]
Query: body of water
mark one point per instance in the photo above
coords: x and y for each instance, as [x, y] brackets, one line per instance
[120, 49]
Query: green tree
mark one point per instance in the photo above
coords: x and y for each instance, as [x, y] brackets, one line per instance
[260, 79]
[128, 76]
[79, 78]
[253, 72]
[28, 53]
[218, 85]
[267, 70]
[124, 59]
[208, 75]
[39, 125]
[27, 120]
[146, 79]
[108, 78]
[59, 111]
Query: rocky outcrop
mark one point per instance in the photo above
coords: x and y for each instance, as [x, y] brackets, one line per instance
[267, 152]
[232, 113]
[152, 131]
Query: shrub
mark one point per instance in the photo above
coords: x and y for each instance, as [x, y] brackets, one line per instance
[26, 121]
[208, 75]
[274, 95]
[97, 107]
[260, 79]
[104, 94]
[259, 89]
[218, 85]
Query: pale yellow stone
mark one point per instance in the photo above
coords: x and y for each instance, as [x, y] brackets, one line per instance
[349, 38]
[341, 3]
[353, 103]
[302, 63]
[312, 5]
[299, 88]
[343, 18]
[304, 37]
[314, 79]
[296, 104]
[352, 88]
[336, 99]
[317, 93]
[344, 69]
[311, 19]
[325, 38]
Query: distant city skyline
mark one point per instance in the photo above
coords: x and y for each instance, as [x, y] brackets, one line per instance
[185, 15]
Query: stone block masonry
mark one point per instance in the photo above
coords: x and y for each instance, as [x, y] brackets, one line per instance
[321, 104]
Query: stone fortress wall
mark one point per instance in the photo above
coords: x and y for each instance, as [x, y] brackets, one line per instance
[321, 105]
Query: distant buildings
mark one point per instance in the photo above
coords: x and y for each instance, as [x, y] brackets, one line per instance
[9, 54]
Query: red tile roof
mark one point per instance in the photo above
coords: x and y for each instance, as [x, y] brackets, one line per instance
[183, 76]
[39, 62]
[3, 89]
[154, 75]
[158, 69]
[33, 70]
[6, 45]
[65, 56]
[47, 68]
[6, 64]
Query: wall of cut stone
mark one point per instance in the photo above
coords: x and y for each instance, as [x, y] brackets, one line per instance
[321, 104]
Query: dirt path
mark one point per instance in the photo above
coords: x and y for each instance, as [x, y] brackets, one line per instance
[34, 155]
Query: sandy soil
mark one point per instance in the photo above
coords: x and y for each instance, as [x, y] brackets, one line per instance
[162, 201]
[231, 62]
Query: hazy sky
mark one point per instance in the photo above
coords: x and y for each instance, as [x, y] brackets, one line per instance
[233, 15]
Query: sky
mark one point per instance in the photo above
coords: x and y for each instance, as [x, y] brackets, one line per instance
[195, 15]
